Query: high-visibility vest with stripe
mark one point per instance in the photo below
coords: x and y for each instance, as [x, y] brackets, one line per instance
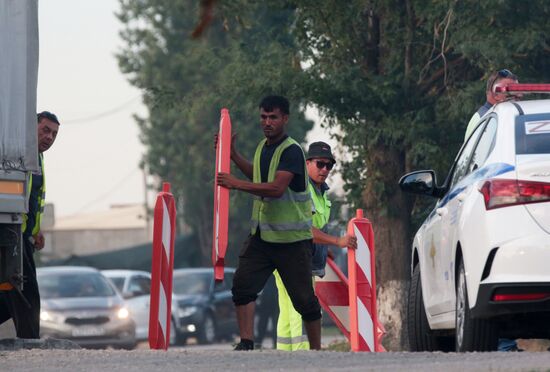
[285, 219]
[41, 201]
[321, 216]
[291, 335]
[322, 206]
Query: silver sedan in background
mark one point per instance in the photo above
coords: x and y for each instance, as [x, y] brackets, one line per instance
[80, 304]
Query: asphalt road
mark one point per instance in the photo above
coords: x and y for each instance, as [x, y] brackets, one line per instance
[190, 359]
[46, 357]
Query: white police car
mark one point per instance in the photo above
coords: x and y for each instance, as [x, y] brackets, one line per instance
[481, 259]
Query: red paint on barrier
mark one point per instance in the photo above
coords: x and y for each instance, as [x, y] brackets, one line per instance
[162, 269]
[221, 196]
[365, 331]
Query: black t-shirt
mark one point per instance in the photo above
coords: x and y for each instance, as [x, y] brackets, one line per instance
[292, 160]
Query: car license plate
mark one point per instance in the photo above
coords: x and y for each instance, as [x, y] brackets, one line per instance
[88, 331]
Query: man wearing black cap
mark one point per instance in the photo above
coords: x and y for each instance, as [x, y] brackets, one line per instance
[320, 162]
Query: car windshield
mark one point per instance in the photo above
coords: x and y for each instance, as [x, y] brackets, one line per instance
[118, 282]
[63, 285]
[192, 283]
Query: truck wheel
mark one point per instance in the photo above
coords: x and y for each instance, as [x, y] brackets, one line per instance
[421, 337]
[471, 334]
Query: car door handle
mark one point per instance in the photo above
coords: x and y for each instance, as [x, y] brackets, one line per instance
[461, 197]
[441, 211]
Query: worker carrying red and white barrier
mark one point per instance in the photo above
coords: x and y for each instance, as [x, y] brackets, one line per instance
[162, 269]
[221, 196]
[365, 331]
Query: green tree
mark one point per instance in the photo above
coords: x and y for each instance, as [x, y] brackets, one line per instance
[401, 78]
[187, 81]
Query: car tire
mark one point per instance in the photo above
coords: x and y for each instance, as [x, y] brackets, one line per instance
[421, 337]
[471, 334]
[207, 331]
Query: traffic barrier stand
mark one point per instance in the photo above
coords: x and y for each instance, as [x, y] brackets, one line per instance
[348, 300]
[221, 196]
[366, 332]
[332, 292]
[162, 269]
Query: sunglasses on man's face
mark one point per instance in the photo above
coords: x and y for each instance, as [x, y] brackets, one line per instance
[322, 164]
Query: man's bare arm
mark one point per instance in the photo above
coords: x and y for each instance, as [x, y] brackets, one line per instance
[346, 241]
[242, 163]
[274, 189]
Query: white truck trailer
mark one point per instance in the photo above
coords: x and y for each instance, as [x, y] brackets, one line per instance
[18, 129]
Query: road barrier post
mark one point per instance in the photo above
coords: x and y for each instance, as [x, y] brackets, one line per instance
[162, 269]
[221, 196]
[365, 331]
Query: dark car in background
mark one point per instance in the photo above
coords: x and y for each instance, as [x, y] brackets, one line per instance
[201, 307]
[80, 304]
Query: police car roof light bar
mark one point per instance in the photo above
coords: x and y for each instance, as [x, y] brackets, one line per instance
[523, 88]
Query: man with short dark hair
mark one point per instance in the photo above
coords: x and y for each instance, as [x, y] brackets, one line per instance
[280, 235]
[498, 78]
[25, 312]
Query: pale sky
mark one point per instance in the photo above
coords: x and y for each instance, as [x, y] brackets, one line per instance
[94, 162]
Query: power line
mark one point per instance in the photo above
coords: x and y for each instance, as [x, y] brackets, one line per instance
[108, 192]
[102, 114]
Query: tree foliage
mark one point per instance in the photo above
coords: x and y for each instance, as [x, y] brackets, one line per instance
[186, 82]
[402, 79]
[407, 75]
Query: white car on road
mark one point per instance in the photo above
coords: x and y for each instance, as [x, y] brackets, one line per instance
[481, 259]
[135, 287]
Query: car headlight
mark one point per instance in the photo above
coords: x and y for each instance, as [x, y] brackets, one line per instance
[122, 313]
[182, 312]
[50, 316]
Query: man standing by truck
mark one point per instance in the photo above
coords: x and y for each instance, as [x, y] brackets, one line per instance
[24, 307]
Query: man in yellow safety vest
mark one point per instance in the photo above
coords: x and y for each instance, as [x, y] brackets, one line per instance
[280, 234]
[25, 311]
[320, 161]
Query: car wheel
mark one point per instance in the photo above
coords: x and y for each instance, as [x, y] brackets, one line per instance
[471, 334]
[421, 337]
[207, 332]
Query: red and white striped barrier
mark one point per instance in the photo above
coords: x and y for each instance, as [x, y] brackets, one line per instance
[351, 302]
[332, 292]
[221, 196]
[366, 332]
[162, 269]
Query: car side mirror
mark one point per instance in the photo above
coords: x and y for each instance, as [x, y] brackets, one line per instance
[421, 183]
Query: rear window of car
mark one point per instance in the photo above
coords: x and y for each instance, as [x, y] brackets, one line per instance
[192, 283]
[533, 134]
